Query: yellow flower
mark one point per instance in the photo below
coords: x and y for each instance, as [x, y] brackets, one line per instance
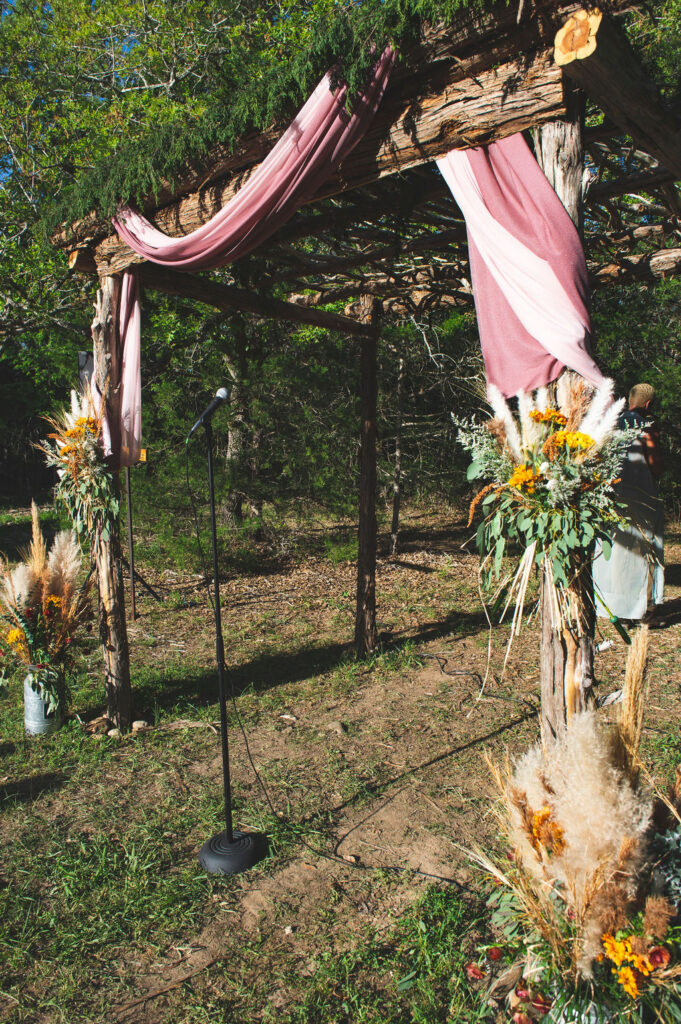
[523, 478]
[546, 831]
[53, 599]
[627, 980]
[548, 416]
[572, 439]
[617, 950]
[16, 637]
[642, 964]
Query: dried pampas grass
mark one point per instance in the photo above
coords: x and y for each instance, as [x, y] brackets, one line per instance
[577, 825]
[63, 564]
[36, 558]
[629, 721]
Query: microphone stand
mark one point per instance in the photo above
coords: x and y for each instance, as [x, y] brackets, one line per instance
[228, 852]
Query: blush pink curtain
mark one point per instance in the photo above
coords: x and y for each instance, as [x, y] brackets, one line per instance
[528, 269]
[122, 423]
[314, 145]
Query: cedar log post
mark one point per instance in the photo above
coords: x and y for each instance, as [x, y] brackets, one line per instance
[366, 637]
[107, 553]
[566, 655]
[595, 53]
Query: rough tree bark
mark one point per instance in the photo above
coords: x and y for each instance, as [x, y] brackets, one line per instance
[397, 469]
[107, 553]
[566, 655]
[366, 637]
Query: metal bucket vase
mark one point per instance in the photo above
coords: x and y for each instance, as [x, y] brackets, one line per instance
[37, 719]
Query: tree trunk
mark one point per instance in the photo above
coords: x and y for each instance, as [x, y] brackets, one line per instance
[566, 654]
[366, 637]
[397, 469]
[560, 155]
[107, 553]
[567, 651]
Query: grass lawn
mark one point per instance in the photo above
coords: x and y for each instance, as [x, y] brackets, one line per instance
[370, 785]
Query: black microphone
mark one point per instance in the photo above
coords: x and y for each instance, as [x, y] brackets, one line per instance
[221, 395]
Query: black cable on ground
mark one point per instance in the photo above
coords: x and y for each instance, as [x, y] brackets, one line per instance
[334, 858]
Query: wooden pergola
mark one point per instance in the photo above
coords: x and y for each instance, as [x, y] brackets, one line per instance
[384, 233]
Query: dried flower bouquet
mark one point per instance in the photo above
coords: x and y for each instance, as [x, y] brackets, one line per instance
[587, 906]
[86, 487]
[42, 609]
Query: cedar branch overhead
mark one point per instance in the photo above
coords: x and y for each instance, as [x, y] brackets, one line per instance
[378, 226]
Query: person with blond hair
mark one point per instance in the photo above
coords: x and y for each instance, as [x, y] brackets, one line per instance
[630, 584]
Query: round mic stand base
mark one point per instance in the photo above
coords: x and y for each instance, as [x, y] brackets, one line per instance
[220, 857]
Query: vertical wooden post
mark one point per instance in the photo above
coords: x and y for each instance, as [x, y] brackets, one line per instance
[366, 637]
[560, 154]
[397, 471]
[131, 542]
[566, 656]
[107, 552]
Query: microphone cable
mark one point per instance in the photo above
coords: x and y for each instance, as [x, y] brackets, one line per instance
[279, 815]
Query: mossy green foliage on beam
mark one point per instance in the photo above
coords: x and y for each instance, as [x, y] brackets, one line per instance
[150, 89]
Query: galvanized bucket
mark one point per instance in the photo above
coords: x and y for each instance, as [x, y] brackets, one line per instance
[37, 721]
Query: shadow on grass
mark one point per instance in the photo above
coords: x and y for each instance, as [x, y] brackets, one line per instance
[200, 688]
[28, 789]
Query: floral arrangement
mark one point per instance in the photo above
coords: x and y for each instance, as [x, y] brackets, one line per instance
[42, 610]
[587, 906]
[86, 487]
[553, 470]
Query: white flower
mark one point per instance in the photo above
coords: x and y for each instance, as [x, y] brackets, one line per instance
[545, 466]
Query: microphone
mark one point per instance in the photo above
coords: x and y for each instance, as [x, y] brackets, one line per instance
[221, 395]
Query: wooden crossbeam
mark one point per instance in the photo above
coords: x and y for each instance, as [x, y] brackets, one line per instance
[596, 54]
[226, 297]
[451, 113]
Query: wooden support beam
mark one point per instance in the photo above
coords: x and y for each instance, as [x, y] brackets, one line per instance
[450, 113]
[423, 243]
[644, 268]
[639, 181]
[223, 296]
[596, 55]
[366, 635]
[107, 552]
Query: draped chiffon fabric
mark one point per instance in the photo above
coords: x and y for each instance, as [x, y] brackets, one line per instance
[528, 269]
[315, 144]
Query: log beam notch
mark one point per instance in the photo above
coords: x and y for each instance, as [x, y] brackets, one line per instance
[596, 55]
[411, 130]
[366, 636]
[107, 552]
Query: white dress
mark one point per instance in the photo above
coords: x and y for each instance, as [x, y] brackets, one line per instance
[632, 579]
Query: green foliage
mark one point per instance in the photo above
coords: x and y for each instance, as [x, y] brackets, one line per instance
[184, 78]
[638, 338]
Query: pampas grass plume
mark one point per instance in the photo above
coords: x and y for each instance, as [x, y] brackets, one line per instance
[20, 587]
[531, 431]
[602, 415]
[37, 552]
[600, 816]
[502, 412]
[63, 564]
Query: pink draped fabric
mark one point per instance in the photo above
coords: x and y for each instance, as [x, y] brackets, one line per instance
[122, 424]
[528, 270]
[314, 145]
[310, 150]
